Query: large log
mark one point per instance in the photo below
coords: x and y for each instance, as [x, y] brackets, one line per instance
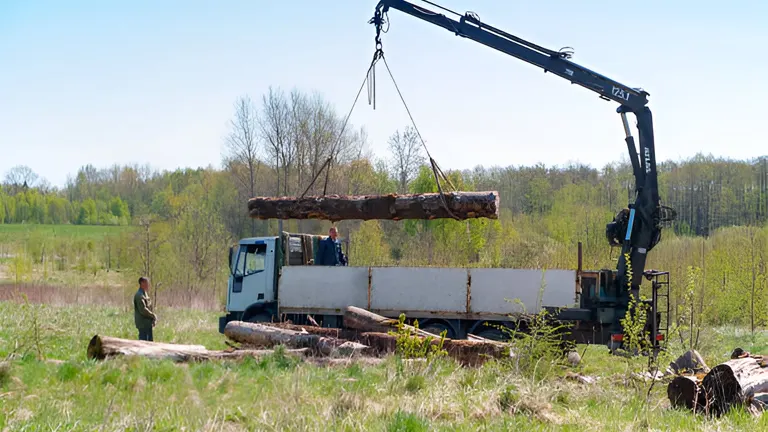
[103, 347]
[466, 352]
[262, 335]
[735, 383]
[361, 319]
[462, 205]
[684, 391]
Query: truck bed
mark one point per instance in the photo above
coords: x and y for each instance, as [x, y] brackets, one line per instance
[422, 292]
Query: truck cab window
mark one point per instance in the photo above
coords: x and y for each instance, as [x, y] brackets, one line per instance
[250, 260]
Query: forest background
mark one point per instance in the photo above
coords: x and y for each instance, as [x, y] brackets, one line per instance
[89, 240]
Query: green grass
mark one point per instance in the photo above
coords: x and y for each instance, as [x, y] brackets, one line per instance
[279, 393]
[10, 233]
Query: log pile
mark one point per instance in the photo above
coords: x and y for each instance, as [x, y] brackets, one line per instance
[368, 335]
[740, 381]
[263, 335]
[426, 206]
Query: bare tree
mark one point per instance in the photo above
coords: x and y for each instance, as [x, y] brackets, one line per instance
[275, 126]
[406, 156]
[242, 157]
[19, 177]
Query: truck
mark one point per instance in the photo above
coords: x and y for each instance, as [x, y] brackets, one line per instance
[461, 301]
[273, 278]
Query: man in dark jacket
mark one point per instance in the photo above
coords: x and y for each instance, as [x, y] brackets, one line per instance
[329, 253]
[143, 315]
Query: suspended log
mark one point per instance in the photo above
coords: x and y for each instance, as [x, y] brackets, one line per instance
[104, 347]
[735, 383]
[463, 205]
[262, 335]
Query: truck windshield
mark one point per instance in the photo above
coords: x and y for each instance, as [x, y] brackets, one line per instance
[250, 260]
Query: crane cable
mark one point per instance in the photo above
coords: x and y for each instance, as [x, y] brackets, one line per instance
[329, 161]
[378, 20]
[370, 79]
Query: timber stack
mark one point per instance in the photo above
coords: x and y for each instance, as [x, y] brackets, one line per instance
[426, 206]
[741, 381]
[367, 334]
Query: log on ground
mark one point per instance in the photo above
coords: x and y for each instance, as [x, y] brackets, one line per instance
[685, 391]
[426, 206]
[466, 352]
[262, 335]
[361, 319]
[103, 347]
[735, 383]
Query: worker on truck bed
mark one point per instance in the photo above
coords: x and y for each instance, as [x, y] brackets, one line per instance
[330, 253]
[143, 315]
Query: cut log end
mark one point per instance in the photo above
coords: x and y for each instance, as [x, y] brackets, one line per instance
[685, 392]
[427, 206]
[95, 349]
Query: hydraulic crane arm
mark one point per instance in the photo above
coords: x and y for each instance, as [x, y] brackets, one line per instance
[636, 229]
[470, 27]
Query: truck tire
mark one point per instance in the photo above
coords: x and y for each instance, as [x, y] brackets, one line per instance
[437, 327]
[258, 317]
[491, 333]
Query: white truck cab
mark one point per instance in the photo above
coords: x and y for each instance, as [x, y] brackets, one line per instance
[253, 271]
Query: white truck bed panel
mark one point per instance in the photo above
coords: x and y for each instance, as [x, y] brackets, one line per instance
[495, 290]
[419, 289]
[320, 287]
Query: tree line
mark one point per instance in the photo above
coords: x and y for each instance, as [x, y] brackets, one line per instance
[291, 143]
[288, 143]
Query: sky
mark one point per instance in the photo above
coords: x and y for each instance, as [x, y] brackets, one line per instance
[154, 82]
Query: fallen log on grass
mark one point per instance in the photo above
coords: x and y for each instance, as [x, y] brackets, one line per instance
[684, 391]
[361, 319]
[263, 335]
[735, 383]
[466, 352]
[426, 206]
[103, 347]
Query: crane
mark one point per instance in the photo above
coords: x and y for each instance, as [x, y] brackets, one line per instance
[636, 228]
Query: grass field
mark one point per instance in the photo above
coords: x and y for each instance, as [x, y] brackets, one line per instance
[278, 393]
[13, 232]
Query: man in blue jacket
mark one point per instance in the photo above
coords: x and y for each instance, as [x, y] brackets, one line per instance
[329, 252]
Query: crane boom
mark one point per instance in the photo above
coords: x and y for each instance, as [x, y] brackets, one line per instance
[470, 27]
[637, 229]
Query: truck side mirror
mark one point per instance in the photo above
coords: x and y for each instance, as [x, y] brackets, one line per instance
[231, 250]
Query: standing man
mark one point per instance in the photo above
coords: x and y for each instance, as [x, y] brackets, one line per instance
[330, 253]
[143, 315]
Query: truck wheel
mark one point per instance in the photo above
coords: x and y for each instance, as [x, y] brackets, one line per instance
[260, 317]
[492, 334]
[437, 327]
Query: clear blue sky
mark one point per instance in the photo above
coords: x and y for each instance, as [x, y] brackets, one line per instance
[106, 82]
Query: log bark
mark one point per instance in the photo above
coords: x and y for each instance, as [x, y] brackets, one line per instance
[463, 205]
[735, 383]
[262, 335]
[466, 352]
[361, 319]
[104, 347]
[689, 362]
